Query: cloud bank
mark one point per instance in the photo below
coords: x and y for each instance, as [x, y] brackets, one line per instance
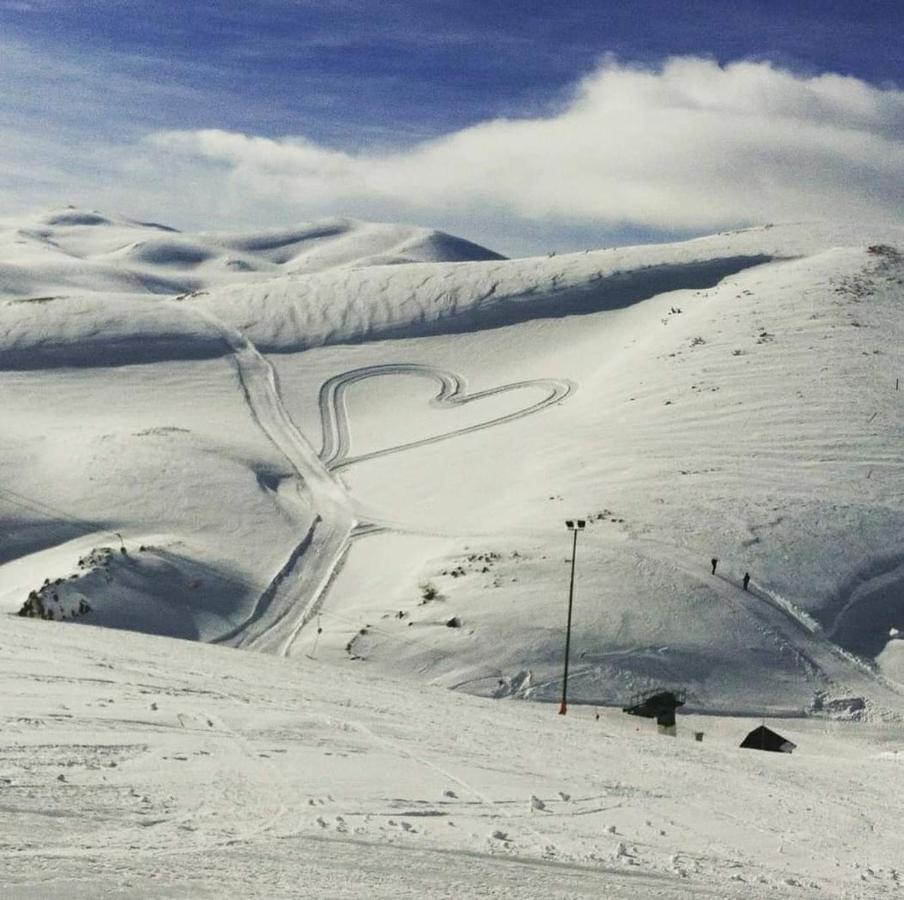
[689, 145]
[632, 154]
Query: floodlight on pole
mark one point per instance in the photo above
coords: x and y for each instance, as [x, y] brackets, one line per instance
[574, 526]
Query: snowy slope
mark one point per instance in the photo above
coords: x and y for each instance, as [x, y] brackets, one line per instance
[152, 768]
[312, 440]
[352, 448]
[71, 250]
[82, 288]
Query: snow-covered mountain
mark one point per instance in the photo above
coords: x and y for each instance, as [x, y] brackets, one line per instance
[354, 447]
[278, 432]
[70, 249]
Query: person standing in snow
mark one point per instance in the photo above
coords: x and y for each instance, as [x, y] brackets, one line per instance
[746, 580]
[715, 562]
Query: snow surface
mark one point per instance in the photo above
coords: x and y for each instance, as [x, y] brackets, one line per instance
[354, 446]
[147, 767]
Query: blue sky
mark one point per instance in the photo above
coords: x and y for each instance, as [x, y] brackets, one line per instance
[366, 77]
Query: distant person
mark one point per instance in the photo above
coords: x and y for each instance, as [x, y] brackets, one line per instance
[746, 580]
[715, 562]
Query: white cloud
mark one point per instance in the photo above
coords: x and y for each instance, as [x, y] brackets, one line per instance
[636, 153]
[688, 145]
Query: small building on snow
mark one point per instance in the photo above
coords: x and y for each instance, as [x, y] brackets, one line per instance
[659, 705]
[764, 738]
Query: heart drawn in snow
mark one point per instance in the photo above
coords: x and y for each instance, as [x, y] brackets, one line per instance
[334, 417]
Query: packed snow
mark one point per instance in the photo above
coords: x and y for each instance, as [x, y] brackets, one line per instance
[148, 767]
[353, 447]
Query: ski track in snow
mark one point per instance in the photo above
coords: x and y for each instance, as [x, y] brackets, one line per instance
[290, 600]
[266, 598]
[849, 675]
[452, 393]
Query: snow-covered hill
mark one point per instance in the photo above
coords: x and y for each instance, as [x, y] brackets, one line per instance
[152, 768]
[102, 271]
[282, 440]
[86, 241]
[353, 448]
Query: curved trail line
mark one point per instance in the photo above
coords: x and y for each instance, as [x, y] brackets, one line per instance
[296, 591]
[266, 598]
[452, 393]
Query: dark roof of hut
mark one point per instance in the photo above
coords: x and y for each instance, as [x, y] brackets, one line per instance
[764, 738]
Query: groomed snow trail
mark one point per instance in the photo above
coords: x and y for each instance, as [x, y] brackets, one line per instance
[452, 393]
[293, 595]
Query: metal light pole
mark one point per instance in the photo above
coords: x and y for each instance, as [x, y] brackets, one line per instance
[574, 526]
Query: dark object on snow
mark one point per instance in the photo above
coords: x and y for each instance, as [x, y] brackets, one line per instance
[746, 580]
[658, 705]
[454, 622]
[764, 738]
[715, 562]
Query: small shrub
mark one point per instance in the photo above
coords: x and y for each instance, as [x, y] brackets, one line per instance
[429, 592]
[885, 250]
